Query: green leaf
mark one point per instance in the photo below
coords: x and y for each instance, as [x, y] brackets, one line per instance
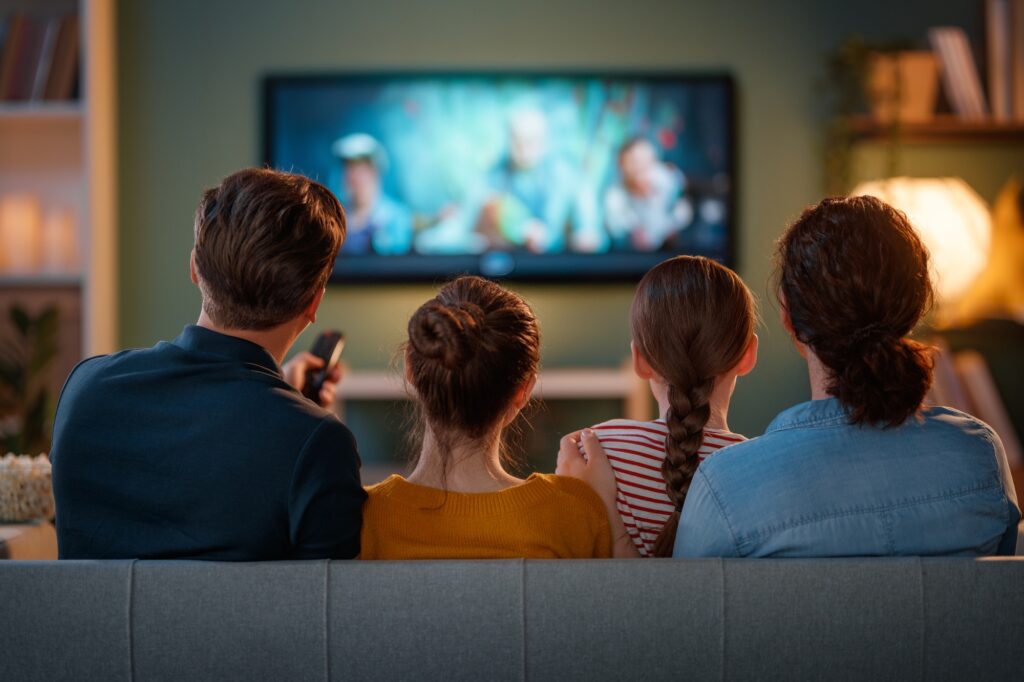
[20, 318]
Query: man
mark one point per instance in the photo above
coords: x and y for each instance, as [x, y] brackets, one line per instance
[377, 223]
[199, 448]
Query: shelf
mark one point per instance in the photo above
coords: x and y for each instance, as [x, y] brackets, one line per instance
[943, 128]
[40, 281]
[552, 384]
[40, 111]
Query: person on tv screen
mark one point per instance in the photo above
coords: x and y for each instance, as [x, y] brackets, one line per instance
[527, 200]
[647, 207]
[530, 189]
[377, 222]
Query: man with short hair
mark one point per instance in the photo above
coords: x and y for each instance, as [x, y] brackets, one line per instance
[200, 448]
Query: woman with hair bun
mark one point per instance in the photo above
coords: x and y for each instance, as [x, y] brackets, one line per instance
[471, 361]
[864, 468]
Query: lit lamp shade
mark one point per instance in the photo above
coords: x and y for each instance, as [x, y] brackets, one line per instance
[953, 221]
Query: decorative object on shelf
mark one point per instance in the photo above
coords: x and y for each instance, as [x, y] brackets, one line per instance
[26, 356]
[26, 489]
[903, 86]
[60, 242]
[998, 293]
[851, 70]
[952, 220]
[20, 227]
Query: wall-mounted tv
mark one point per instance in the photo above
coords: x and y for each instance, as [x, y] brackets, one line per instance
[520, 176]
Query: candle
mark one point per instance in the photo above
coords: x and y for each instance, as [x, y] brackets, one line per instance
[20, 218]
[60, 242]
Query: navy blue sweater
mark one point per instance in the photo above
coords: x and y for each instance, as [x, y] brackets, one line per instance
[199, 449]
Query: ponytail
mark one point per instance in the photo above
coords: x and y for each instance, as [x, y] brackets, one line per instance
[853, 278]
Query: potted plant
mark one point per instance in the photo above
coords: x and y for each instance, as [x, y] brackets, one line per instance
[890, 81]
[27, 352]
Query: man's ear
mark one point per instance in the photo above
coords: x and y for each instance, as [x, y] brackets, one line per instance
[748, 361]
[640, 364]
[192, 268]
[314, 305]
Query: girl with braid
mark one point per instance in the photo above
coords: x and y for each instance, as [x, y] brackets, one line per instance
[692, 322]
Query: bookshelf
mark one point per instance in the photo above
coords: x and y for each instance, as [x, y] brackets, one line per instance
[64, 153]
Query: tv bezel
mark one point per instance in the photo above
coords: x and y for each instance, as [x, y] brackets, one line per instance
[420, 268]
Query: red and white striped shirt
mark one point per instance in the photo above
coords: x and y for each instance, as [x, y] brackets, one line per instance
[636, 450]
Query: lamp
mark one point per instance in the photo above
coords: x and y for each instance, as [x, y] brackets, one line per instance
[953, 222]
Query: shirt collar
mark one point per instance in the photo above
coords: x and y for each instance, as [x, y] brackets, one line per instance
[810, 413]
[202, 340]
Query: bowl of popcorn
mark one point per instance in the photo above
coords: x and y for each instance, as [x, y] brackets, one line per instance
[26, 488]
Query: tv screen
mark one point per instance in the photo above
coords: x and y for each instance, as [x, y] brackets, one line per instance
[542, 177]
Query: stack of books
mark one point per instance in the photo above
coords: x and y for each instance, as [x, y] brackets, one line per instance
[1005, 62]
[39, 57]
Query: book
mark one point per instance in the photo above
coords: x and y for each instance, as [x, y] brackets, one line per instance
[42, 74]
[64, 67]
[959, 74]
[1017, 58]
[12, 47]
[1000, 77]
[27, 59]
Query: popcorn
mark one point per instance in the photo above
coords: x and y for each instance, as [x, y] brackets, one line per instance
[26, 489]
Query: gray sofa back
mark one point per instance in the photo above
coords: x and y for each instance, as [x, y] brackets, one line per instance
[906, 619]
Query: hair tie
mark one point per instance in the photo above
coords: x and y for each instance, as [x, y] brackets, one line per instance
[871, 333]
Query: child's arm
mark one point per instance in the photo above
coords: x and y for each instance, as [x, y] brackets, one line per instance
[596, 471]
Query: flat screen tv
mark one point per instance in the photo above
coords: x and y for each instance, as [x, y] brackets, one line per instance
[519, 176]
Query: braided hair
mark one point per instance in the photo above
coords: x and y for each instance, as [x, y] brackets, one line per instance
[692, 320]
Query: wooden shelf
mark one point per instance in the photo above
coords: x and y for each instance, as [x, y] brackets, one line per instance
[552, 384]
[40, 111]
[943, 128]
[40, 281]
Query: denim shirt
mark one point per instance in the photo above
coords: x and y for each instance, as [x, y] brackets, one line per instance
[816, 486]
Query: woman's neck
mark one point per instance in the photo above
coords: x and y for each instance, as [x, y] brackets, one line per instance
[720, 398]
[467, 466]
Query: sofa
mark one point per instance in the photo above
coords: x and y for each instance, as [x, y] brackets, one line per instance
[877, 619]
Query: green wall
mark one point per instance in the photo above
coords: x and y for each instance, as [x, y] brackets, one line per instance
[189, 77]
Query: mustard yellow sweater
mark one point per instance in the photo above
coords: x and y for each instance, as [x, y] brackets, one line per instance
[546, 517]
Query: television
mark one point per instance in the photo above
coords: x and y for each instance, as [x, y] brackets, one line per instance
[513, 176]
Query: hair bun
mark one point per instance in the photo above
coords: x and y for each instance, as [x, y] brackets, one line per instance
[447, 334]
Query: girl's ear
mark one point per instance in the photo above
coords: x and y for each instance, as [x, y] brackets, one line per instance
[408, 367]
[748, 361]
[640, 365]
[524, 393]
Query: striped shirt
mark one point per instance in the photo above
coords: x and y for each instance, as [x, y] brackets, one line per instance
[636, 450]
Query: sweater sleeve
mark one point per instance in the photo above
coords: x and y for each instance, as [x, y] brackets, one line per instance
[326, 496]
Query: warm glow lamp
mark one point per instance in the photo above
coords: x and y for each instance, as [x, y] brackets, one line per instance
[952, 220]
